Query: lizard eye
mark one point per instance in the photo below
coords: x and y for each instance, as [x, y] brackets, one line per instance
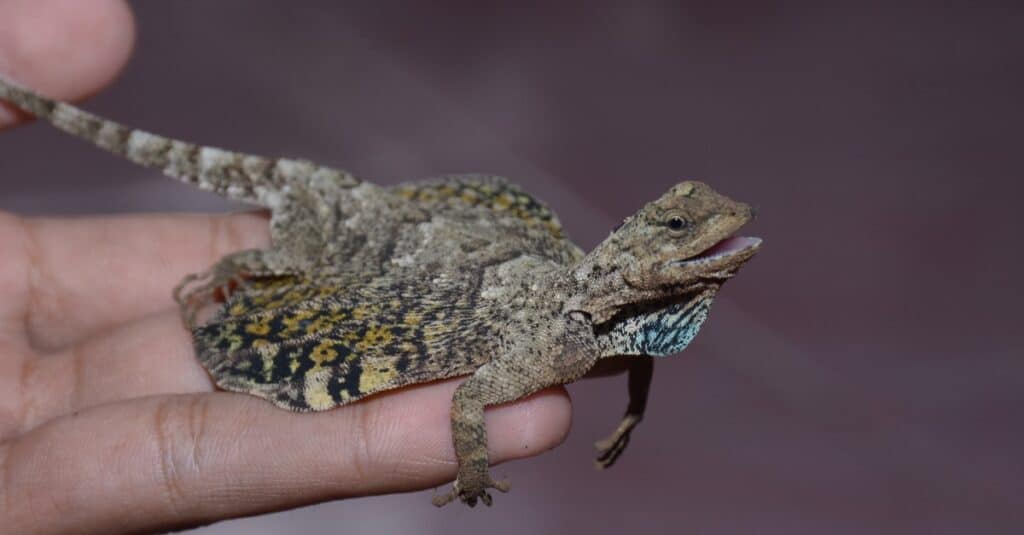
[676, 223]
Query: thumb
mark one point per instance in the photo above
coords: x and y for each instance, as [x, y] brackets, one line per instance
[66, 49]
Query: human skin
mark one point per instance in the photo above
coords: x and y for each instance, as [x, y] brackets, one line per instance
[107, 421]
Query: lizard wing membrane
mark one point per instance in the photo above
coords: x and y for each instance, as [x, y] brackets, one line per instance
[318, 347]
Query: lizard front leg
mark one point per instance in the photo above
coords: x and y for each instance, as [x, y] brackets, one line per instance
[469, 433]
[508, 378]
[641, 370]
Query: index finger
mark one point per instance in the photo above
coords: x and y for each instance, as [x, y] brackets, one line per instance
[81, 276]
[175, 461]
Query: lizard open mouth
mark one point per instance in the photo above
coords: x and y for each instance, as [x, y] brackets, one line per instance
[729, 247]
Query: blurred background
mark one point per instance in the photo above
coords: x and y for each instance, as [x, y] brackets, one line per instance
[864, 373]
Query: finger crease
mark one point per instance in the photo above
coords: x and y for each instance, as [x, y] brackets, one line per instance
[5, 481]
[24, 404]
[169, 467]
[77, 391]
[362, 455]
[181, 427]
[37, 277]
[198, 415]
[215, 231]
[223, 238]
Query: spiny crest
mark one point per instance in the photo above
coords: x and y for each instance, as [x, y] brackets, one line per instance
[483, 191]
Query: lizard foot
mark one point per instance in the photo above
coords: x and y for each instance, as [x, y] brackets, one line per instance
[470, 492]
[228, 276]
[200, 289]
[609, 449]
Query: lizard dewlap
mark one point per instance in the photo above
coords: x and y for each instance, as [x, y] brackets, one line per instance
[367, 288]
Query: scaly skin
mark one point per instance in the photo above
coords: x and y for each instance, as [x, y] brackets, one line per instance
[368, 288]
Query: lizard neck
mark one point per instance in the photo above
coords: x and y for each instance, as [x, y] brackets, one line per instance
[597, 287]
[594, 288]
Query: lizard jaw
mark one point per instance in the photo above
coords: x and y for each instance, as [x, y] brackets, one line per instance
[720, 261]
[731, 247]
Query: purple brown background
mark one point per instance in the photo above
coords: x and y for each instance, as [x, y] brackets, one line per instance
[864, 374]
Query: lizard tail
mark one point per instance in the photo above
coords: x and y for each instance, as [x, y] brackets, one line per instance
[244, 177]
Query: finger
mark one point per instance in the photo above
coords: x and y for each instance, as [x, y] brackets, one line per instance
[177, 461]
[87, 275]
[150, 356]
[66, 49]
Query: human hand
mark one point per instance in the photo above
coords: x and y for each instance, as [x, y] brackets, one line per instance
[107, 420]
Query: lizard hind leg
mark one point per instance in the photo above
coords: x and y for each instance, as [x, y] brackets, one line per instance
[230, 274]
[298, 239]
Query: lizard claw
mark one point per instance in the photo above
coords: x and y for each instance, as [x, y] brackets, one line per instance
[198, 290]
[609, 449]
[470, 493]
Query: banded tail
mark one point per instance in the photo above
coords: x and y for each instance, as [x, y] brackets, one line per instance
[244, 177]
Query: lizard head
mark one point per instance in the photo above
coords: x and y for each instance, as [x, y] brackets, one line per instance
[679, 245]
[682, 238]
